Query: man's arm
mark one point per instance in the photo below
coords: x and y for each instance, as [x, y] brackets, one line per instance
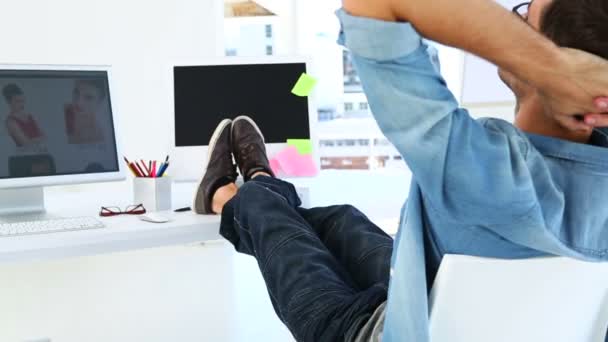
[458, 163]
[569, 80]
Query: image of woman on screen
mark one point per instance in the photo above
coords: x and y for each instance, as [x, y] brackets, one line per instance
[21, 125]
[81, 116]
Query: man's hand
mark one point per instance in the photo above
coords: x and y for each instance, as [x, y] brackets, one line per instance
[573, 87]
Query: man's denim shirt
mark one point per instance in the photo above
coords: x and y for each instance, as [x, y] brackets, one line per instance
[480, 187]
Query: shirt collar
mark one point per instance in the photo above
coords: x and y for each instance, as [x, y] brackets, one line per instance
[591, 154]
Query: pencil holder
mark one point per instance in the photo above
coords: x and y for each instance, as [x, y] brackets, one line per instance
[153, 193]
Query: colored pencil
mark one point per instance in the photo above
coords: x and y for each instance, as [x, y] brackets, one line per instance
[148, 171]
[135, 173]
[164, 169]
[141, 172]
[153, 172]
[143, 165]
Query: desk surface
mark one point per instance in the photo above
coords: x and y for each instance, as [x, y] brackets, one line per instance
[362, 189]
[120, 234]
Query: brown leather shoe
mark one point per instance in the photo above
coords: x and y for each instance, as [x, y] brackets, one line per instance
[220, 169]
[248, 148]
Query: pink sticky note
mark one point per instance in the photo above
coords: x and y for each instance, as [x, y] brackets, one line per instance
[293, 163]
[307, 167]
[275, 166]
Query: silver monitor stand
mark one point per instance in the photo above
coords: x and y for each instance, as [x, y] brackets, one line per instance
[22, 204]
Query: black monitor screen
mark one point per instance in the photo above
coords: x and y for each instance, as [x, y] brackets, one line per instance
[55, 123]
[204, 95]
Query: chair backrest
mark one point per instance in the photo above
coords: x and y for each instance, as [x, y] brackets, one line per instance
[530, 300]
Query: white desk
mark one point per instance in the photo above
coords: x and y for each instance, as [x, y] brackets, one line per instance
[174, 293]
[379, 195]
[121, 233]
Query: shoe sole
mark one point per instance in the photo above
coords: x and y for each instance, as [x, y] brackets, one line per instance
[214, 138]
[250, 120]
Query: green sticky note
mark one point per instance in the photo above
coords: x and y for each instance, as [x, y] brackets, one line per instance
[304, 146]
[304, 86]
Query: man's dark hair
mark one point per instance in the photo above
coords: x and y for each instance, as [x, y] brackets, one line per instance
[578, 24]
[98, 84]
[11, 90]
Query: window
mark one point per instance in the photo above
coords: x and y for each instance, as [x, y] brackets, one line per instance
[352, 83]
[326, 114]
[381, 142]
[344, 122]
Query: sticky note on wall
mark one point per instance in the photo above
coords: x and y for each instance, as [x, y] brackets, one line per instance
[292, 163]
[304, 146]
[304, 86]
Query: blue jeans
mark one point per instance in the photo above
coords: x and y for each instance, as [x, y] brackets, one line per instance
[326, 269]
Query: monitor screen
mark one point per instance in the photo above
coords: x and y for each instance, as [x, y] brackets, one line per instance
[55, 123]
[204, 95]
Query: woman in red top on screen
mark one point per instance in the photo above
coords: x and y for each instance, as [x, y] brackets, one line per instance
[21, 126]
[81, 116]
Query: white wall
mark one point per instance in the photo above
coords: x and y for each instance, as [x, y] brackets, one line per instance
[317, 30]
[139, 38]
[481, 84]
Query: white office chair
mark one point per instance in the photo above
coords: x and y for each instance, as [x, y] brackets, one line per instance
[532, 300]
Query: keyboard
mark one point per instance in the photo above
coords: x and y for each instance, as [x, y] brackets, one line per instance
[46, 226]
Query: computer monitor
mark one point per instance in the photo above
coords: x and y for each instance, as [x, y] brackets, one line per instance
[207, 92]
[57, 127]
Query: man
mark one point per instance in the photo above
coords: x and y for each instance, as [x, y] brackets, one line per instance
[483, 188]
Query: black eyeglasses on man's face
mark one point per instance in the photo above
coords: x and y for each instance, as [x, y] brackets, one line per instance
[522, 9]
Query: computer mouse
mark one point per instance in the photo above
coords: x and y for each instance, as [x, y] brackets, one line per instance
[154, 218]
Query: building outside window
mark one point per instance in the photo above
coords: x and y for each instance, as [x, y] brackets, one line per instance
[268, 31]
[352, 83]
[349, 138]
[381, 142]
[249, 30]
